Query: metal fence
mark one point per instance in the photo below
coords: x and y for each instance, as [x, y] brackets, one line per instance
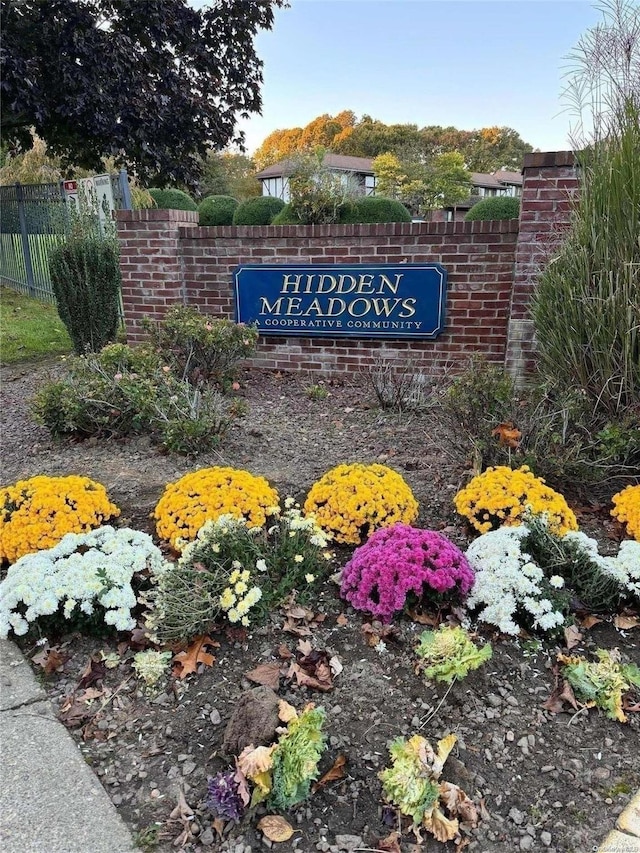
[34, 218]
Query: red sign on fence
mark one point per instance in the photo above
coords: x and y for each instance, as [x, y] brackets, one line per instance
[70, 186]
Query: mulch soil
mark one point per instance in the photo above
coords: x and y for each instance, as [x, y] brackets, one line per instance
[542, 780]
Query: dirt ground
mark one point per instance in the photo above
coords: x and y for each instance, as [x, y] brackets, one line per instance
[544, 781]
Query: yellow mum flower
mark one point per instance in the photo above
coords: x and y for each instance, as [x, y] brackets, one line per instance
[501, 496]
[35, 514]
[626, 508]
[351, 501]
[209, 493]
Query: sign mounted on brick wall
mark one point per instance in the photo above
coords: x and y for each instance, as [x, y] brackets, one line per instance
[342, 300]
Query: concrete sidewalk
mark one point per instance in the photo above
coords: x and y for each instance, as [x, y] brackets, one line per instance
[50, 800]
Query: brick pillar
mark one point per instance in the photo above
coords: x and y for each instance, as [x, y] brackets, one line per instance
[151, 264]
[550, 182]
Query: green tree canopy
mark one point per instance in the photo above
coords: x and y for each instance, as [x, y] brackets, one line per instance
[440, 182]
[484, 150]
[152, 83]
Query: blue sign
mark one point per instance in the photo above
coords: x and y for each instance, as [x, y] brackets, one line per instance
[338, 300]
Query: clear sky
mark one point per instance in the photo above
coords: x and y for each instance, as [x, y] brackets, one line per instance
[466, 63]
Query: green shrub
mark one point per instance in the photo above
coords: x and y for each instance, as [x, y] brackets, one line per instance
[217, 210]
[495, 207]
[318, 194]
[171, 199]
[201, 348]
[257, 211]
[287, 216]
[85, 277]
[485, 420]
[120, 391]
[375, 209]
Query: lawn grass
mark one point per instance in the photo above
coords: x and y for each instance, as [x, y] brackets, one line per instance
[29, 328]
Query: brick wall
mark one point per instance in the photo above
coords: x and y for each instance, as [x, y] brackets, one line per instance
[478, 258]
[167, 259]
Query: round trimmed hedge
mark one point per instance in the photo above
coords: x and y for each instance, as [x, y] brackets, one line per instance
[375, 209]
[495, 207]
[362, 210]
[286, 217]
[217, 210]
[257, 211]
[171, 199]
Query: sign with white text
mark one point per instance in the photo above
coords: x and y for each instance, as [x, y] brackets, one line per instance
[343, 300]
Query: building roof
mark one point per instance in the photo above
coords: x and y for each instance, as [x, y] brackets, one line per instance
[482, 179]
[508, 177]
[496, 180]
[339, 162]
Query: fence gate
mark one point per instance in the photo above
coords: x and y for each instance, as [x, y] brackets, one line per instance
[33, 219]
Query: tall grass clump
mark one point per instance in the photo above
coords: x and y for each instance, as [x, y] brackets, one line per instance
[586, 308]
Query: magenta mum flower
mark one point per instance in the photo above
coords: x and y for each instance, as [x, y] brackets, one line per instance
[398, 560]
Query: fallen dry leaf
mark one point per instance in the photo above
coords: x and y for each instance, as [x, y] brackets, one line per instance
[218, 824]
[507, 434]
[305, 647]
[572, 636]
[458, 803]
[94, 671]
[423, 618]
[184, 814]
[390, 844]
[267, 674]
[589, 621]
[560, 695]
[275, 828]
[625, 623]
[284, 652]
[312, 668]
[376, 631]
[77, 707]
[342, 620]
[51, 659]
[186, 662]
[333, 774]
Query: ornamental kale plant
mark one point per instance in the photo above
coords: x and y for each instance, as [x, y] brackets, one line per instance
[223, 796]
[400, 560]
[449, 653]
[602, 683]
[412, 784]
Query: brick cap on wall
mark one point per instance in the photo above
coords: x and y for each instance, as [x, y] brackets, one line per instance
[153, 215]
[379, 229]
[548, 159]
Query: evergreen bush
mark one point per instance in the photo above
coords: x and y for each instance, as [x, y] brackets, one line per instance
[495, 207]
[85, 278]
[375, 209]
[257, 211]
[286, 217]
[171, 199]
[217, 210]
